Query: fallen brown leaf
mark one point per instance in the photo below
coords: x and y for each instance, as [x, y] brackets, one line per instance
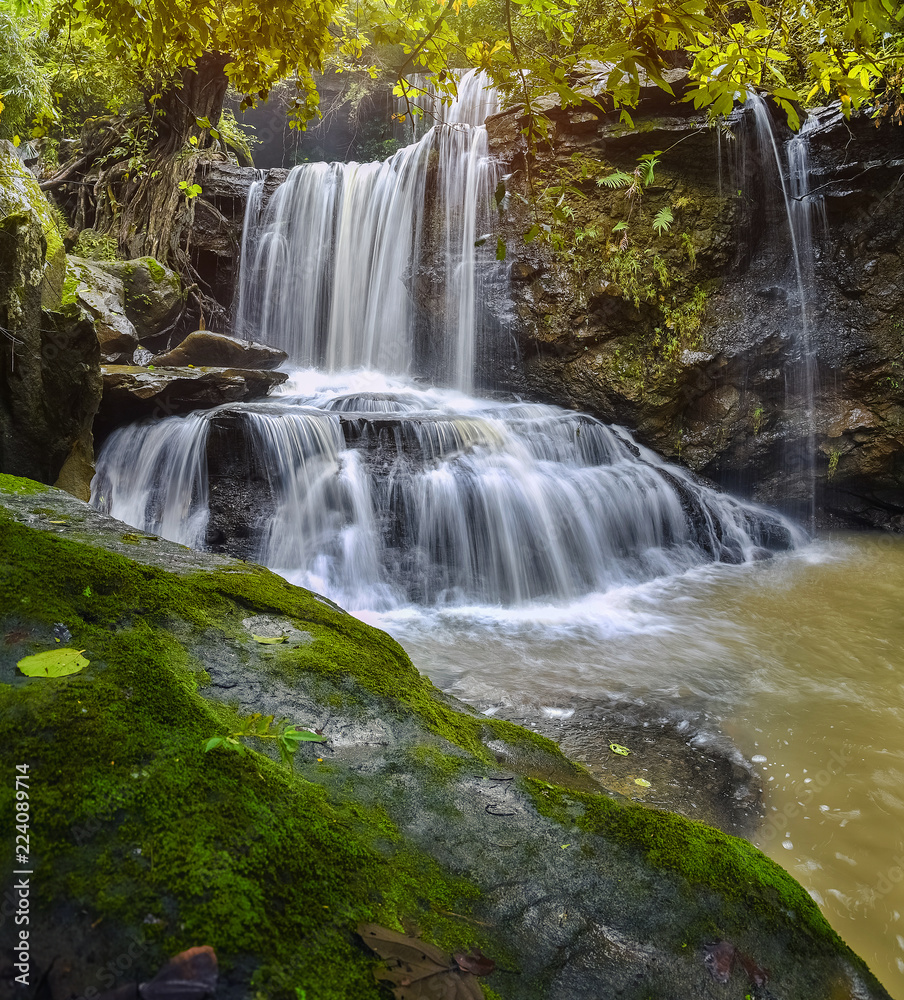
[421, 971]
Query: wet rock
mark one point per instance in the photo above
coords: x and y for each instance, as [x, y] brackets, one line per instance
[570, 889]
[674, 763]
[131, 393]
[219, 351]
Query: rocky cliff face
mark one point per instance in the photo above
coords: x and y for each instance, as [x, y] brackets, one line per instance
[49, 355]
[690, 336]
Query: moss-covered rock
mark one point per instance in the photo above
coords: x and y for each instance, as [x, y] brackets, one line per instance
[130, 300]
[49, 361]
[101, 293]
[417, 812]
[19, 192]
[153, 295]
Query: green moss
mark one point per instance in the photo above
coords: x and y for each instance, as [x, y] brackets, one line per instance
[96, 246]
[443, 767]
[140, 828]
[21, 487]
[155, 268]
[70, 289]
[705, 858]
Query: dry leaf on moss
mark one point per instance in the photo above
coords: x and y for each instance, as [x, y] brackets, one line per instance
[421, 971]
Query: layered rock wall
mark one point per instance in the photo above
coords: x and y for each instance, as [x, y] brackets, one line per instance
[690, 336]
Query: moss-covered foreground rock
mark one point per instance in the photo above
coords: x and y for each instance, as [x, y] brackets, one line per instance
[419, 814]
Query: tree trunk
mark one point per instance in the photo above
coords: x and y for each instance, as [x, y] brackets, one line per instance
[198, 95]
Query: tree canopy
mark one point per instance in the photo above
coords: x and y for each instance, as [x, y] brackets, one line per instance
[798, 51]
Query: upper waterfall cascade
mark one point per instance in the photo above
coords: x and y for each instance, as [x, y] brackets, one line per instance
[329, 264]
[364, 484]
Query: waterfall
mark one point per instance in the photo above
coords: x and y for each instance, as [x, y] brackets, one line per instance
[329, 269]
[380, 494]
[358, 481]
[249, 304]
[801, 209]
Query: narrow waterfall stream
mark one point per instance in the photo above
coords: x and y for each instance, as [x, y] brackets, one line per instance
[532, 559]
[790, 164]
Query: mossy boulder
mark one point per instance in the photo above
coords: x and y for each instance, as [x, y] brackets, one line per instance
[19, 193]
[130, 300]
[153, 295]
[418, 813]
[101, 293]
[49, 361]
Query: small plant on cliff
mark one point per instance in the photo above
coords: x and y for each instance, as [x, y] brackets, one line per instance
[262, 727]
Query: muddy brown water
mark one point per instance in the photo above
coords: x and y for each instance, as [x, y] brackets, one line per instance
[798, 661]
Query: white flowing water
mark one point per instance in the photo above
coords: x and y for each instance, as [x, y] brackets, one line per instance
[383, 495]
[328, 271]
[792, 168]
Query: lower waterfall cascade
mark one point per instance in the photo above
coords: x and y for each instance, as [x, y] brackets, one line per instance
[378, 493]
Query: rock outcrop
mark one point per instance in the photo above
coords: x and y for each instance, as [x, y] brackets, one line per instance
[49, 358]
[415, 812]
[132, 393]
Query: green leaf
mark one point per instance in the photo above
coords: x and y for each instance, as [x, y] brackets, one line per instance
[53, 663]
[532, 233]
[619, 226]
[268, 640]
[616, 180]
[619, 749]
[642, 782]
[500, 249]
[663, 220]
[213, 743]
[303, 735]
